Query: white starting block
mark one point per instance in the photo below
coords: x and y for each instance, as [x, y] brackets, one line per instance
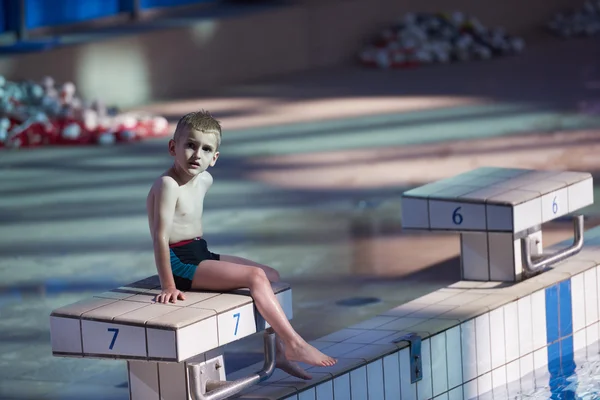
[173, 351]
[499, 213]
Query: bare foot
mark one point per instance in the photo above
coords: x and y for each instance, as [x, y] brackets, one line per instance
[288, 366]
[304, 352]
[292, 368]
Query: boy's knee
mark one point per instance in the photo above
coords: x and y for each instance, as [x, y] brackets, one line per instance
[258, 276]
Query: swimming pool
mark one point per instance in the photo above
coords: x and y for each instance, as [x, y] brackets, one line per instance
[576, 377]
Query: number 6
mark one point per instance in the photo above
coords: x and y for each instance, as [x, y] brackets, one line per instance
[457, 217]
[554, 206]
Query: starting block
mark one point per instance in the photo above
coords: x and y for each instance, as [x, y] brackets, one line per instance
[499, 213]
[173, 351]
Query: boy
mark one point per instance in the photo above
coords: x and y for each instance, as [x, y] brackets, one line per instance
[183, 261]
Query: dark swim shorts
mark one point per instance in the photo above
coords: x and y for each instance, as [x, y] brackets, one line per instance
[185, 257]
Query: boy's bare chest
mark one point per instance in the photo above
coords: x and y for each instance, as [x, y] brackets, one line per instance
[190, 204]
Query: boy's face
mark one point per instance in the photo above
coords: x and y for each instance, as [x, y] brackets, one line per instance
[194, 151]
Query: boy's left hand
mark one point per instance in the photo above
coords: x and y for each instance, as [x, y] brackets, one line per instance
[170, 296]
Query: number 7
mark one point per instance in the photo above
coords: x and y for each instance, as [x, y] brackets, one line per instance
[116, 332]
[237, 322]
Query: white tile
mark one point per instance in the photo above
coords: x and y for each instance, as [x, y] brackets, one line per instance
[499, 377]
[597, 269]
[172, 381]
[538, 319]
[469, 350]
[370, 336]
[454, 357]
[358, 383]
[65, 335]
[456, 190]
[341, 387]
[513, 371]
[484, 384]
[236, 324]
[484, 346]
[555, 204]
[497, 337]
[373, 322]
[414, 213]
[593, 347]
[579, 340]
[439, 370]
[407, 389]
[536, 245]
[474, 256]
[527, 383]
[324, 391]
[341, 335]
[143, 380]
[470, 390]
[591, 334]
[197, 338]
[502, 257]
[499, 218]
[570, 177]
[527, 215]
[375, 382]
[162, 343]
[341, 349]
[581, 194]
[113, 339]
[426, 190]
[540, 358]
[511, 331]
[456, 216]
[310, 394]
[425, 386]
[391, 376]
[541, 376]
[526, 364]
[456, 393]
[525, 325]
[591, 296]
[578, 302]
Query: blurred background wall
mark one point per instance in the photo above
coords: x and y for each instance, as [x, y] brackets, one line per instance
[130, 52]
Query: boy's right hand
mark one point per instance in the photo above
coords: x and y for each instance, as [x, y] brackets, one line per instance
[170, 295]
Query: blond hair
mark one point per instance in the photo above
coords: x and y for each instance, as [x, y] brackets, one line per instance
[199, 121]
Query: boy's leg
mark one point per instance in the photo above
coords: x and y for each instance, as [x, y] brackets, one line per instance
[272, 274]
[223, 275]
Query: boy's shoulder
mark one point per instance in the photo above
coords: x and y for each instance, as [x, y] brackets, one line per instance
[164, 182]
[207, 177]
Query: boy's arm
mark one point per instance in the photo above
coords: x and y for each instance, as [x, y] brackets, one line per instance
[164, 210]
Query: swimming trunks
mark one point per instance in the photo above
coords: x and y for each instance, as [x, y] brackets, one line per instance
[185, 257]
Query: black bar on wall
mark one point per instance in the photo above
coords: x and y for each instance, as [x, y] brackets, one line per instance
[22, 29]
[135, 9]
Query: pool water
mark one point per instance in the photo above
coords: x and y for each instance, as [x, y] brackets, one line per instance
[577, 378]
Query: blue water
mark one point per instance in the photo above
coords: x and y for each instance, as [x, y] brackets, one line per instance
[580, 379]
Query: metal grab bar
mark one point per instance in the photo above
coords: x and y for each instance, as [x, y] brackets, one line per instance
[531, 267]
[219, 390]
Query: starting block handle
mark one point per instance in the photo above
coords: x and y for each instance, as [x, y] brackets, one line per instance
[219, 390]
[542, 262]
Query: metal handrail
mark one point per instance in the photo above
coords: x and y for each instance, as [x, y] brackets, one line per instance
[219, 390]
[545, 261]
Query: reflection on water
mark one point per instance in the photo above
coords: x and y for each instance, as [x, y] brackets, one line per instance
[52, 287]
